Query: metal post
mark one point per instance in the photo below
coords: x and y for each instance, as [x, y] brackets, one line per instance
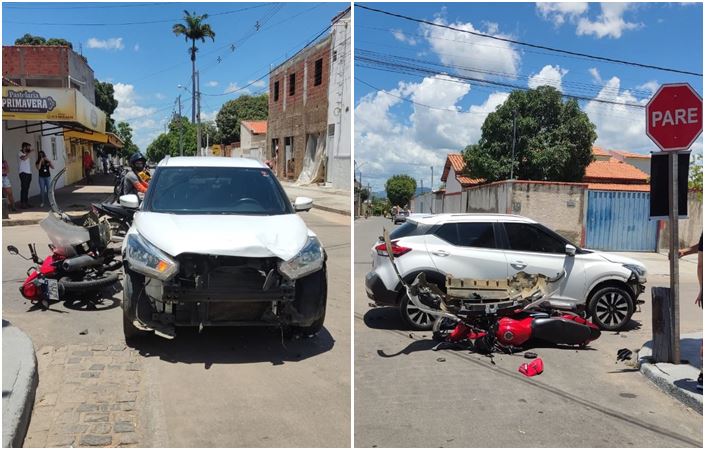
[197, 93]
[514, 140]
[675, 353]
[431, 178]
[181, 134]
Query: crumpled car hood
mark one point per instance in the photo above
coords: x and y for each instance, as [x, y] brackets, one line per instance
[282, 236]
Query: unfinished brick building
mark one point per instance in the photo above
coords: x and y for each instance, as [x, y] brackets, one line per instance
[298, 109]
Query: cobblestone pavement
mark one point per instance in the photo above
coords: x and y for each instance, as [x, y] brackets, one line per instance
[88, 396]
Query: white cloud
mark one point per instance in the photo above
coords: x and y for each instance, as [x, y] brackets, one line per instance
[136, 47]
[548, 76]
[212, 83]
[595, 75]
[159, 96]
[651, 86]
[472, 52]
[258, 83]
[424, 136]
[400, 36]
[559, 12]
[232, 87]
[610, 23]
[107, 44]
[208, 116]
[142, 119]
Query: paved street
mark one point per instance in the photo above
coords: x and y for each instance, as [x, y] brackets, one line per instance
[223, 388]
[422, 398]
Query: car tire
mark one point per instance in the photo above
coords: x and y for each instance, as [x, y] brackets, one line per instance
[414, 318]
[611, 308]
[133, 293]
[311, 299]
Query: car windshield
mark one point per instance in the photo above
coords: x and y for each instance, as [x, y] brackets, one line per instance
[216, 190]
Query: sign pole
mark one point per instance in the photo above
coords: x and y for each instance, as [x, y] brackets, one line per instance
[675, 347]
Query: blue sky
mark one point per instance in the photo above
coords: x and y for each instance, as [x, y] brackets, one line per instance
[667, 35]
[146, 62]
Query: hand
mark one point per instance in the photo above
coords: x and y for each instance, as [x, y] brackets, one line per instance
[699, 299]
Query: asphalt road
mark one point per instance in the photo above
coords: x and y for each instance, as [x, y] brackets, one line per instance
[423, 398]
[226, 387]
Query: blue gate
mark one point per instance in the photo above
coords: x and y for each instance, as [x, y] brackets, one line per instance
[619, 221]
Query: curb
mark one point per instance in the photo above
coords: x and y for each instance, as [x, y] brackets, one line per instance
[332, 210]
[657, 376]
[17, 407]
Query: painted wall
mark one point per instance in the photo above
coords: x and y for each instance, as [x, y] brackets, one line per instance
[690, 229]
[452, 183]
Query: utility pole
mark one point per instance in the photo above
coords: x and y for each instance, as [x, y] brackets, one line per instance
[197, 94]
[514, 140]
[181, 134]
[431, 178]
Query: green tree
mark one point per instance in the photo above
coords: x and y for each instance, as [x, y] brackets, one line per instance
[364, 194]
[124, 132]
[160, 147]
[105, 100]
[29, 39]
[695, 178]
[193, 29]
[209, 128]
[553, 139]
[400, 189]
[245, 107]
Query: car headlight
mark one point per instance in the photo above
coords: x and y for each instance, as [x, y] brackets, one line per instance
[310, 259]
[638, 270]
[147, 259]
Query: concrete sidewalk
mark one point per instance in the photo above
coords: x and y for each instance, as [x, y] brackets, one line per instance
[19, 384]
[74, 199]
[325, 198]
[677, 380]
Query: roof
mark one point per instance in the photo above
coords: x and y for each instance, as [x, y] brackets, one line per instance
[256, 126]
[613, 171]
[597, 151]
[457, 162]
[632, 155]
[210, 161]
[619, 187]
[433, 219]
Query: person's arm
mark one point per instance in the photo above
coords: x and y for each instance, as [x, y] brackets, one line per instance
[24, 156]
[36, 164]
[50, 164]
[688, 250]
[140, 185]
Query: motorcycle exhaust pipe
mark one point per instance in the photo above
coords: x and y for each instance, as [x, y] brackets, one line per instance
[80, 262]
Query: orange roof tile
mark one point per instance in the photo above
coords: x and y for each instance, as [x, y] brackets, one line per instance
[599, 152]
[454, 160]
[613, 171]
[633, 155]
[619, 187]
[256, 126]
[467, 181]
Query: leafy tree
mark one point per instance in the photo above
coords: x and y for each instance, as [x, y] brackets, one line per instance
[105, 100]
[364, 194]
[209, 128]
[553, 139]
[193, 29]
[695, 178]
[400, 189]
[124, 132]
[29, 39]
[160, 147]
[245, 107]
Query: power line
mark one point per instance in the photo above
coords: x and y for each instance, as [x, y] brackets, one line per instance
[110, 24]
[526, 44]
[100, 6]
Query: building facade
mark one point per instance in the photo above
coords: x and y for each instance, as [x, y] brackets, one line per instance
[253, 139]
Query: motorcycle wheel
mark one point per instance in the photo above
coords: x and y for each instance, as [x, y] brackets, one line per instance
[442, 328]
[67, 285]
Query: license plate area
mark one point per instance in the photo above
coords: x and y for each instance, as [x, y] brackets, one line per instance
[52, 289]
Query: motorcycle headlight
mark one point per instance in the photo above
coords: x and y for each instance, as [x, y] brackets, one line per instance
[308, 260]
[638, 270]
[147, 259]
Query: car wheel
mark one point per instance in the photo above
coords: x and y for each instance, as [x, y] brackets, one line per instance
[133, 293]
[413, 317]
[311, 299]
[611, 308]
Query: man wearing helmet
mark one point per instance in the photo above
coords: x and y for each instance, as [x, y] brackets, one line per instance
[132, 183]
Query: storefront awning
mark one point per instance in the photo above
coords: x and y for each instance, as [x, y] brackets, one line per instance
[99, 138]
[54, 105]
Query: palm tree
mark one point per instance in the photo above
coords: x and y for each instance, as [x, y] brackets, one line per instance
[194, 29]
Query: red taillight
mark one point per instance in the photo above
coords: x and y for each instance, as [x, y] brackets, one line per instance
[29, 291]
[397, 250]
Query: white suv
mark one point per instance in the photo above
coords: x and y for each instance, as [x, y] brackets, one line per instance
[496, 246]
[217, 242]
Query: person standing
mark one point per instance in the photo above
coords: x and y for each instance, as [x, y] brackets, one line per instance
[699, 299]
[7, 186]
[25, 175]
[43, 165]
[87, 166]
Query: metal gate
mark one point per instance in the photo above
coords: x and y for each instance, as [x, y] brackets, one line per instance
[619, 221]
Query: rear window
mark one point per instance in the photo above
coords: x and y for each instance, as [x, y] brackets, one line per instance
[478, 234]
[407, 229]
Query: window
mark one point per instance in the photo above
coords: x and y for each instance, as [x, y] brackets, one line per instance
[276, 91]
[335, 55]
[479, 234]
[292, 84]
[530, 238]
[318, 78]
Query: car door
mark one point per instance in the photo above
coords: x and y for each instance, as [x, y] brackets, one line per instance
[533, 250]
[467, 250]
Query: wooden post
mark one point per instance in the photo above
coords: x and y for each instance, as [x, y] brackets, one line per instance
[661, 322]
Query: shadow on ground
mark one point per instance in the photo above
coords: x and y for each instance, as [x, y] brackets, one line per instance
[233, 345]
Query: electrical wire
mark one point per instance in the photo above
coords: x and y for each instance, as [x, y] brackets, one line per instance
[100, 6]
[527, 44]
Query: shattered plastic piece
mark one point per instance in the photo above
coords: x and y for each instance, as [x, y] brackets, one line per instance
[624, 354]
[84, 332]
[533, 368]
[441, 359]
[530, 355]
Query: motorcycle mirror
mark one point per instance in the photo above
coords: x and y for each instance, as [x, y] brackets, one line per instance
[12, 250]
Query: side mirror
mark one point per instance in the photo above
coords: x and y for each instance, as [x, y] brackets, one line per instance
[13, 250]
[303, 204]
[129, 201]
[570, 250]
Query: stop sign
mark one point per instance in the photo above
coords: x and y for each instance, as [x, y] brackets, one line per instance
[674, 117]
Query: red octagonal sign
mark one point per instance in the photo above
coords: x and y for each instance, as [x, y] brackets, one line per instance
[674, 117]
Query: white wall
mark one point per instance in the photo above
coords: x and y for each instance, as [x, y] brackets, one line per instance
[452, 183]
[338, 146]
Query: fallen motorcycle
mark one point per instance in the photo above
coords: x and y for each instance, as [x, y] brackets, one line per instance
[498, 315]
[80, 264]
[119, 215]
